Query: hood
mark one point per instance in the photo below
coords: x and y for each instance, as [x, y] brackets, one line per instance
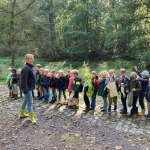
[87, 76]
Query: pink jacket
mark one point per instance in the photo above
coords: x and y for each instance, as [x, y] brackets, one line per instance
[71, 79]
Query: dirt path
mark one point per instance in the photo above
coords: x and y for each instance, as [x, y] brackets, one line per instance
[61, 128]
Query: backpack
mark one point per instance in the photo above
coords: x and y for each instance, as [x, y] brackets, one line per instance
[80, 87]
[147, 95]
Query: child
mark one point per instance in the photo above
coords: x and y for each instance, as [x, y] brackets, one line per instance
[102, 90]
[135, 87]
[52, 85]
[147, 95]
[124, 81]
[95, 83]
[44, 83]
[37, 74]
[76, 87]
[88, 90]
[67, 77]
[71, 79]
[14, 78]
[61, 84]
[18, 82]
[48, 75]
[39, 82]
[143, 78]
[112, 87]
[8, 78]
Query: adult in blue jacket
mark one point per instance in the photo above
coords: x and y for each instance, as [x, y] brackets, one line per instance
[27, 85]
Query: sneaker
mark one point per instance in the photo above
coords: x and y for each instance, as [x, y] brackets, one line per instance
[103, 110]
[65, 103]
[123, 112]
[52, 101]
[92, 108]
[148, 116]
[86, 109]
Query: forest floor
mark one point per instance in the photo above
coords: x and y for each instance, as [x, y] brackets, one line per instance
[61, 128]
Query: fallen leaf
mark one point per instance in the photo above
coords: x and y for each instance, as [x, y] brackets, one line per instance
[118, 147]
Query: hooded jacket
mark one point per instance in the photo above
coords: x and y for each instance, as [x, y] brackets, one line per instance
[88, 87]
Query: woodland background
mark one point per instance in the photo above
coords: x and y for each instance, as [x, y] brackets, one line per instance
[75, 30]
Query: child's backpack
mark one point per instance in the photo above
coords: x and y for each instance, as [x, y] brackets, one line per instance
[80, 87]
[95, 84]
[147, 95]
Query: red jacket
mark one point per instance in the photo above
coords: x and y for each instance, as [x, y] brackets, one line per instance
[95, 83]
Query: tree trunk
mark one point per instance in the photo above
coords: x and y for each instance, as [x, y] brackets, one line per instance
[87, 30]
[11, 41]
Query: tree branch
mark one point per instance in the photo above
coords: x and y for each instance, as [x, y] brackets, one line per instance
[3, 10]
[24, 9]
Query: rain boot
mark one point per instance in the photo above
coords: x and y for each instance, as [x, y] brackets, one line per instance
[131, 113]
[23, 114]
[32, 119]
[142, 113]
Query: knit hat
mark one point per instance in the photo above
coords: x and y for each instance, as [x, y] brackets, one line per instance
[14, 70]
[145, 72]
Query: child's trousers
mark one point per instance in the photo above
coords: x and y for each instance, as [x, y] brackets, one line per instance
[105, 105]
[112, 99]
[64, 93]
[148, 106]
[93, 100]
[46, 93]
[124, 103]
[141, 100]
[86, 100]
[14, 89]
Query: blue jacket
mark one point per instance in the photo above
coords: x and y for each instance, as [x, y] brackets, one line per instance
[143, 81]
[125, 80]
[44, 81]
[27, 78]
[15, 78]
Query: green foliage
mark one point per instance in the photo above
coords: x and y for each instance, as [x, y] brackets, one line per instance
[74, 29]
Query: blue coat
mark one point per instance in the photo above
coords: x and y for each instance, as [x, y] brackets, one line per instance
[44, 81]
[15, 78]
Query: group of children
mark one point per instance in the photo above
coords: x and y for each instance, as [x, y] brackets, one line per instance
[107, 85]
